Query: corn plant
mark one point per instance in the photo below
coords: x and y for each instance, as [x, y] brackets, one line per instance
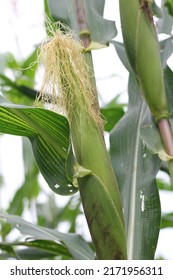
[118, 188]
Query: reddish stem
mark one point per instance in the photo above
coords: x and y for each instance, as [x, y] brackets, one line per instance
[85, 37]
[166, 134]
[82, 22]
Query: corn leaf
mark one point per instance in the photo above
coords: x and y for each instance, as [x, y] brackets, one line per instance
[36, 249]
[77, 247]
[135, 170]
[9, 251]
[48, 133]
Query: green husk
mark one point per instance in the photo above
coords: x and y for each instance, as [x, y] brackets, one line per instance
[68, 81]
[142, 48]
[143, 52]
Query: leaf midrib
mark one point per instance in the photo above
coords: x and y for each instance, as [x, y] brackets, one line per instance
[132, 210]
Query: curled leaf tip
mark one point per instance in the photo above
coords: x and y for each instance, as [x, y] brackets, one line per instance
[95, 46]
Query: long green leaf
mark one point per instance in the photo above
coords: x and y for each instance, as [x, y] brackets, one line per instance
[78, 248]
[49, 136]
[101, 30]
[36, 249]
[135, 170]
[7, 252]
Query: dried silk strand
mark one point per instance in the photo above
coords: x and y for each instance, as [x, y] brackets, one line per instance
[67, 79]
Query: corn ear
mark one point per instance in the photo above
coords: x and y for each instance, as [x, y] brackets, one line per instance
[143, 52]
[103, 219]
[68, 78]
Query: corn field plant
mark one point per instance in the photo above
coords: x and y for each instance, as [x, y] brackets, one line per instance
[65, 125]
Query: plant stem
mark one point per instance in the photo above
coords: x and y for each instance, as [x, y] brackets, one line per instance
[166, 134]
[82, 22]
[85, 37]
